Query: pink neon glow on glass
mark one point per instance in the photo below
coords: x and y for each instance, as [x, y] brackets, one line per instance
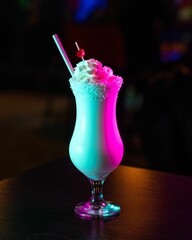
[112, 142]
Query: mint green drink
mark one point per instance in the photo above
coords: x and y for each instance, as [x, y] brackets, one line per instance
[96, 148]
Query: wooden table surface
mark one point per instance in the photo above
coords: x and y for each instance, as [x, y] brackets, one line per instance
[39, 205]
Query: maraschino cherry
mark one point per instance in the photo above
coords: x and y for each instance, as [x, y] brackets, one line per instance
[80, 53]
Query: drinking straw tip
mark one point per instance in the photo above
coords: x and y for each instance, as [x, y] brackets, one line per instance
[63, 54]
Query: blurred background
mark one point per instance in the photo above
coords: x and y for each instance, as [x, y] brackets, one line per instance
[148, 43]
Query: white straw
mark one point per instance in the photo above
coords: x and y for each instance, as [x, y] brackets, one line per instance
[77, 45]
[63, 54]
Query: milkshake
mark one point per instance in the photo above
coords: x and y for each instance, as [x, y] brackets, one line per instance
[96, 148]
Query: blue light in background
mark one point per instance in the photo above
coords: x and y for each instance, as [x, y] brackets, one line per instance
[87, 7]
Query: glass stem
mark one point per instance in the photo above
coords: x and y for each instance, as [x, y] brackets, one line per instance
[97, 193]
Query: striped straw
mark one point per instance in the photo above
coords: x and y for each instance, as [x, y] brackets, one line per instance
[63, 54]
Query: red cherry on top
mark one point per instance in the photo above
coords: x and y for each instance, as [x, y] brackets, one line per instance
[80, 53]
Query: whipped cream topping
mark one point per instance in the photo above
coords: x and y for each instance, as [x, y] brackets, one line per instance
[94, 80]
[92, 71]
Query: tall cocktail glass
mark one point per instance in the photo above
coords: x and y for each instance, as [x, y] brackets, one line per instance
[96, 147]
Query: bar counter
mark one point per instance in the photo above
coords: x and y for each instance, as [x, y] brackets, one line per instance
[39, 204]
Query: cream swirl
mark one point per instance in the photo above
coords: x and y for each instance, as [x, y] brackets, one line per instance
[92, 71]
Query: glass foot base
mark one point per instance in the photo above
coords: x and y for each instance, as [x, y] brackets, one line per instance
[106, 210]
